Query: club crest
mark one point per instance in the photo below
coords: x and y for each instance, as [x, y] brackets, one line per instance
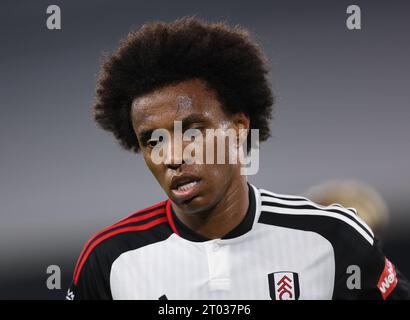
[284, 285]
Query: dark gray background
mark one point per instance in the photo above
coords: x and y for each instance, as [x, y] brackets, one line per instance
[342, 112]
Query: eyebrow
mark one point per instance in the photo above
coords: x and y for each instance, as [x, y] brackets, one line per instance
[186, 122]
[192, 118]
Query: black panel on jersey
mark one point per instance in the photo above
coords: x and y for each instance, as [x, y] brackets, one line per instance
[312, 207]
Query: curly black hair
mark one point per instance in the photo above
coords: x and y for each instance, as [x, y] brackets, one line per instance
[160, 54]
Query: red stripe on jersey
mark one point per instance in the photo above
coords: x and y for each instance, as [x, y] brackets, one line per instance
[170, 218]
[140, 217]
[113, 233]
[140, 213]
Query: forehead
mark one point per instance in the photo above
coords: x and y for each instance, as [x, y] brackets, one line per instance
[175, 102]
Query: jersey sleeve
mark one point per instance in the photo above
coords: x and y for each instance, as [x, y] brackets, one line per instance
[92, 282]
[364, 272]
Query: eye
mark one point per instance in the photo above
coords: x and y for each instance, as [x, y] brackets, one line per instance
[193, 133]
[198, 131]
[153, 142]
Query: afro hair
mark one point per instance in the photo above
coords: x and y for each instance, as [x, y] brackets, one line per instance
[159, 54]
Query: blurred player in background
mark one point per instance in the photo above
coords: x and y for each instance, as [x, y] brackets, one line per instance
[364, 198]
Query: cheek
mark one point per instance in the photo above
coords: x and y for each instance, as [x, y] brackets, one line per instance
[154, 168]
[219, 174]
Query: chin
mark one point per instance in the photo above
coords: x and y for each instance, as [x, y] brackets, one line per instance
[195, 205]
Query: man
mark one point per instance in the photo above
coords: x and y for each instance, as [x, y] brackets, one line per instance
[216, 236]
[368, 202]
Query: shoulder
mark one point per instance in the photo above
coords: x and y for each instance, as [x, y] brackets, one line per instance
[141, 228]
[336, 223]
[355, 249]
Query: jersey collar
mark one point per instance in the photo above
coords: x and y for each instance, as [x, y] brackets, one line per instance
[242, 228]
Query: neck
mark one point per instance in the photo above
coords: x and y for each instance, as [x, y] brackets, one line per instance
[224, 216]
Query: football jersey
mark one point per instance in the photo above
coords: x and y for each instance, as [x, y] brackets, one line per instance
[286, 248]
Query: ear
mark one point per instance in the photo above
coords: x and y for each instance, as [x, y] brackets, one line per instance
[241, 124]
[241, 121]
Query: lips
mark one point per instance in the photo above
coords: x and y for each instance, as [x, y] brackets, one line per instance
[184, 186]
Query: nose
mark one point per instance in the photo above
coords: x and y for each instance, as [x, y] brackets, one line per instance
[175, 166]
[175, 156]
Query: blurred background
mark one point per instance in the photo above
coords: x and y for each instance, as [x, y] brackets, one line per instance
[342, 113]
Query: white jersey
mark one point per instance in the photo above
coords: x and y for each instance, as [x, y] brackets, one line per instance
[287, 247]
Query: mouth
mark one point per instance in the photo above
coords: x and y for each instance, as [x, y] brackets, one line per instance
[184, 187]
